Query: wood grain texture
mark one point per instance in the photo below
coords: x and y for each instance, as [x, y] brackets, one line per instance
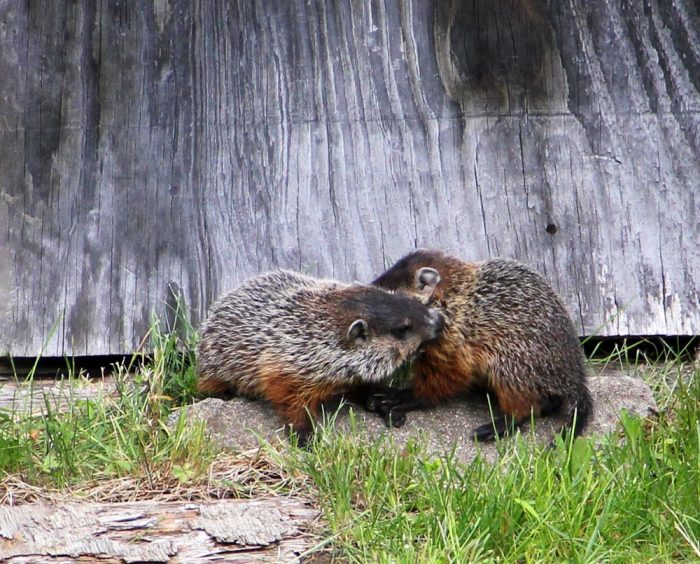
[36, 397]
[156, 147]
[265, 530]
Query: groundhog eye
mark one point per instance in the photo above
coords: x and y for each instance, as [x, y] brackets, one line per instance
[401, 331]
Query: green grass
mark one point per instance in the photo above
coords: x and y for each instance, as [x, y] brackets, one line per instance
[632, 497]
[635, 497]
[112, 437]
[128, 444]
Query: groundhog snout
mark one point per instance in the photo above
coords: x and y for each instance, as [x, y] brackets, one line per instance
[436, 324]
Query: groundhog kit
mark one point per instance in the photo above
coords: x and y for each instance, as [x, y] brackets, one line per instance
[298, 341]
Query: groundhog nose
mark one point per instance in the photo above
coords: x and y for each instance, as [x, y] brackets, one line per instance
[437, 322]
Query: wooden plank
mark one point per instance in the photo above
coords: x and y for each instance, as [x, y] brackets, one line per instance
[37, 396]
[262, 530]
[148, 147]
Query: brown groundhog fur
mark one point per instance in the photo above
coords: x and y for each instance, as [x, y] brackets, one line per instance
[506, 331]
[297, 341]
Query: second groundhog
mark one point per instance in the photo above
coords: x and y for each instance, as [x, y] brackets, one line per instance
[297, 341]
[506, 331]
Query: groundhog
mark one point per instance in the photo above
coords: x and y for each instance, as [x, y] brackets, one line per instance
[506, 331]
[297, 341]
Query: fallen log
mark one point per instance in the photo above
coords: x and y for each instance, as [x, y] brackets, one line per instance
[261, 530]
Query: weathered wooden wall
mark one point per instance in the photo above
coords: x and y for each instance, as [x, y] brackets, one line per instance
[148, 145]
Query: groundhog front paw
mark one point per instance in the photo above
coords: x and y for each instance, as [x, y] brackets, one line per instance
[395, 418]
[499, 427]
[391, 416]
[382, 400]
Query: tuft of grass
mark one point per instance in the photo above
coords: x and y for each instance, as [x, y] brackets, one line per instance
[633, 497]
[120, 436]
[130, 444]
[123, 434]
[173, 354]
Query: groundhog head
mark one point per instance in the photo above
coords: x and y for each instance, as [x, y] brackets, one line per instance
[422, 273]
[390, 322]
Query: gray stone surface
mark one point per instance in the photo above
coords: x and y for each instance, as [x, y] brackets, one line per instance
[239, 423]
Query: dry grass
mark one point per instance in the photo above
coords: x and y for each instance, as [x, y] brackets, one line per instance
[244, 475]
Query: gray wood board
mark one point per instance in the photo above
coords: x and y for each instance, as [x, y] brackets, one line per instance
[152, 147]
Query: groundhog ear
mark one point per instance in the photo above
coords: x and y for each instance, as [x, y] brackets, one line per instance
[358, 331]
[427, 279]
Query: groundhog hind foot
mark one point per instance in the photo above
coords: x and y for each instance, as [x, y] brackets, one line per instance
[302, 435]
[504, 425]
[300, 423]
[501, 426]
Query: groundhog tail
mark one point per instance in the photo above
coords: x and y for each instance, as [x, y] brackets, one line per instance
[583, 412]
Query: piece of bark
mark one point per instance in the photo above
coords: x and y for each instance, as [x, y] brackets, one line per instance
[262, 530]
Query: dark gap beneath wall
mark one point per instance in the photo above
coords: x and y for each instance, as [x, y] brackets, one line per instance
[632, 349]
[643, 349]
[60, 367]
